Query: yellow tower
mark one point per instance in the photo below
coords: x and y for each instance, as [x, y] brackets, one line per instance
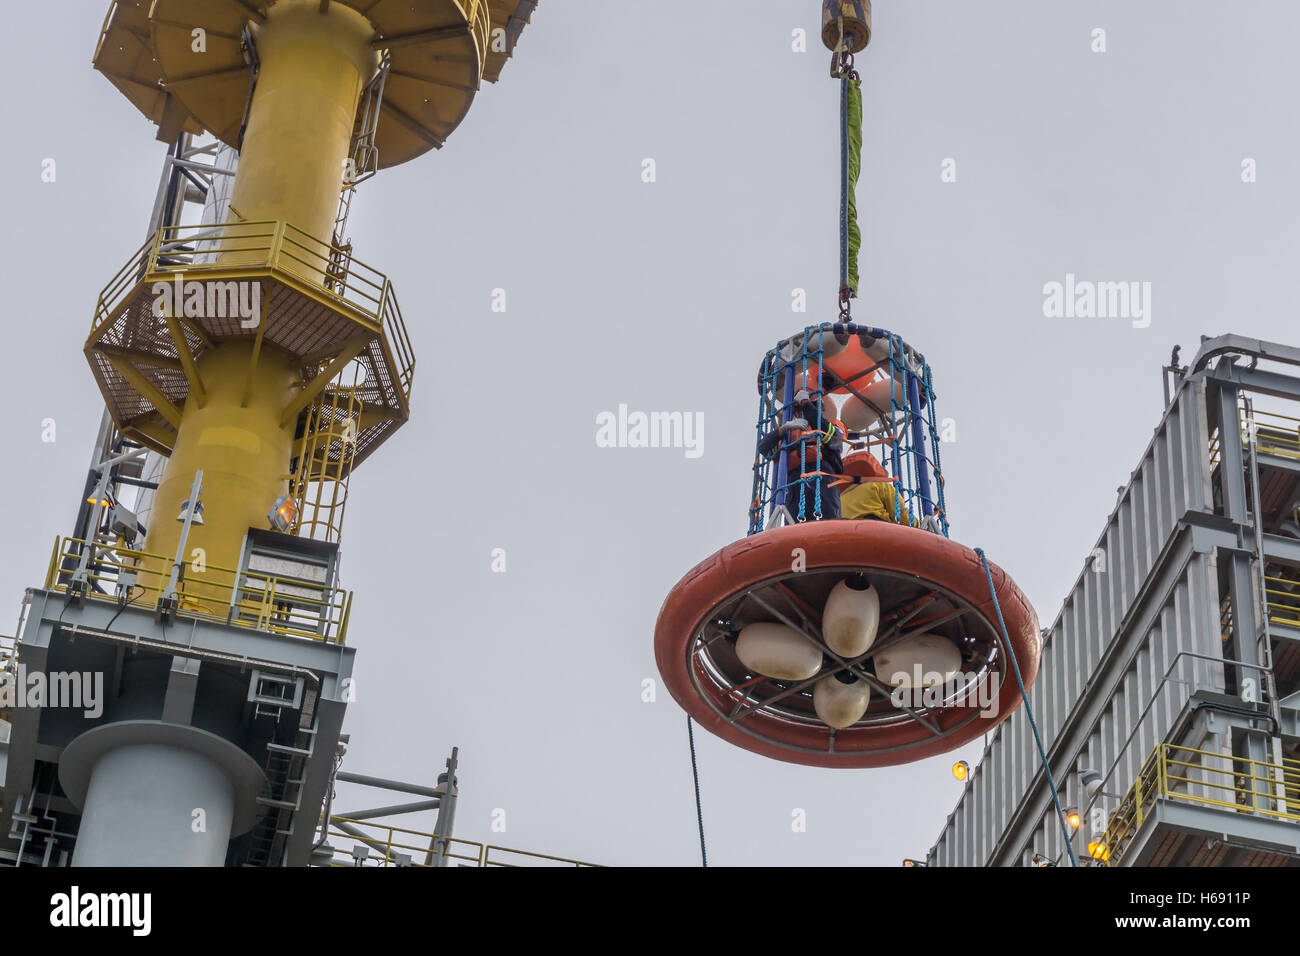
[263, 359]
[220, 347]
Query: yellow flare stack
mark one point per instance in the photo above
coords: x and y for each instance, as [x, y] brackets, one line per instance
[313, 68]
[231, 398]
[314, 65]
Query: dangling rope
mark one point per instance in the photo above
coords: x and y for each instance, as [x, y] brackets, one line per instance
[1029, 711]
[699, 809]
[850, 172]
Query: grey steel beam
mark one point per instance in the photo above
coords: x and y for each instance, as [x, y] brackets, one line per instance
[20, 764]
[1255, 746]
[237, 644]
[1243, 345]
[1282, 549]
[1259, 380]
[438, 845]
[1278, 462]
[1232, 461]
[1227, 826]
[392, 811]
[182, 685]
[383, 784]
[1291, 716]
[316, 778]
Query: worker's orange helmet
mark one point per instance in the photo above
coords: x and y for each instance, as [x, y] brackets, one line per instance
[863, 464]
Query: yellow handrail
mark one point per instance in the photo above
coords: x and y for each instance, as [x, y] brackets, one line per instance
[528, 856]
[1204, 778]
[265, 246]
[252, 599]
[1275, 434]
[1283, 603]
[385, 843]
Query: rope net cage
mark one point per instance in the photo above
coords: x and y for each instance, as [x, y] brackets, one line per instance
[846, 629]
[879, 389]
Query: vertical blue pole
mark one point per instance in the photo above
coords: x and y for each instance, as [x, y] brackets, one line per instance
[932, 418]
[786, 409]
[918, 443]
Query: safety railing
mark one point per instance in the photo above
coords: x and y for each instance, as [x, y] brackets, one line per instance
[903, 436]
[328, 450]
[378, 844]
[1201, 778]
[8, 651]
[1186, 671]
[261, 602]
[1274, 434]
[504, 856]
[331, 272]
[479, 17]
[1282, 598]
[398, 341]
[369, 844]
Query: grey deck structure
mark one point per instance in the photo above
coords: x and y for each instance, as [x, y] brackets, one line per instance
[1173, 667]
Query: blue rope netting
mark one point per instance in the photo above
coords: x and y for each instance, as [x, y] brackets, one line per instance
[906, 440]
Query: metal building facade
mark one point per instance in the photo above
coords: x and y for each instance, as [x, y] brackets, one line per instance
[1171, 668]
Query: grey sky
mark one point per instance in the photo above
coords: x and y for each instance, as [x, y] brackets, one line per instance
[1124, 165]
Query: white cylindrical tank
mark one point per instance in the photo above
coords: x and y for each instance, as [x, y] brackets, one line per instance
[140, 803]
[775, 650]
[920, 661]
[839, 702]
[859, 416]
[851, 617]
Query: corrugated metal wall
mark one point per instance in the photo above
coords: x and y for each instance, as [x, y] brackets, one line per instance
[1140, 600]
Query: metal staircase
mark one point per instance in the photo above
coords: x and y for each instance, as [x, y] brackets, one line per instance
[284, 765]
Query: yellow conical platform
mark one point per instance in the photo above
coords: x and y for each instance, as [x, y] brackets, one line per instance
[440, 52]
[124, 55]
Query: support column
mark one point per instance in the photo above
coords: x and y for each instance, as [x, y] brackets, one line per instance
[158, 794]
[236, 438]
[315, 61]
[1242, 588]
[314, 66]
[144, 803]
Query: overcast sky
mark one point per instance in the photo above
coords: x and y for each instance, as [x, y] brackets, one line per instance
[1123, 165]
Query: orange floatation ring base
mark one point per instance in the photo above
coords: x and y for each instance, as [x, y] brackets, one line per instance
[928, 559]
